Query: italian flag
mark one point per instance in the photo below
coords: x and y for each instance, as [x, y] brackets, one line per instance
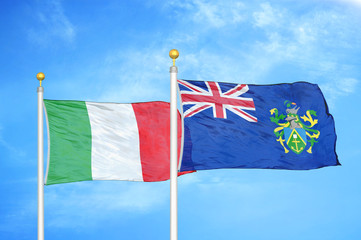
[108, 141]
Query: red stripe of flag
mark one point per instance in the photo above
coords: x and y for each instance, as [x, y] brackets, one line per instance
[240, 87]
[153, 121]
[246, 114]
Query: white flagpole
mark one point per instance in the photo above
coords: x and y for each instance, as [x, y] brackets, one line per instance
[40, 76]
[173, 148]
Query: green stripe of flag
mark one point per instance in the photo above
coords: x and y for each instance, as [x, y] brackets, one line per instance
[70, 141]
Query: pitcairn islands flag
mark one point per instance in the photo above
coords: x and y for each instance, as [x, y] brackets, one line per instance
[281, 126]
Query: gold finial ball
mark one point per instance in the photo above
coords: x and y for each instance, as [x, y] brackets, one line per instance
[40, 76]
[173, 53]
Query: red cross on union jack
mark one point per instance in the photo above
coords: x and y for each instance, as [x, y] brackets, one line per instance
[219, 101]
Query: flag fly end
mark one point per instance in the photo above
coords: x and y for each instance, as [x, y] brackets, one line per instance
[173, 54]
[40, 76]
[173, 148]
[40, 92]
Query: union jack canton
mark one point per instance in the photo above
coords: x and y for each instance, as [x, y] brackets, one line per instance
[212, 96]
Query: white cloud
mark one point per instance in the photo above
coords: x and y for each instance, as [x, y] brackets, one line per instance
[52, 24]
[338, 88]
[304, 34]
[133, 76]
[218, 15]
[311, 41]
[305, 41]
[268, 16]
[348, 85]
[214, 14]
[353, 2]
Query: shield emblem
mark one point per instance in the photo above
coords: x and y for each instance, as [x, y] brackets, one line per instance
[296, 139]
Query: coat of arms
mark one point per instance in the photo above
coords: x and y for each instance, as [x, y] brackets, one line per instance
[291, 130]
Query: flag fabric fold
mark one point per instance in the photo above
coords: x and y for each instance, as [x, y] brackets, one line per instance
[108, 141]
[281, 126]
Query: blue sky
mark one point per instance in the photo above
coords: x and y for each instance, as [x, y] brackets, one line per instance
[118, 51]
